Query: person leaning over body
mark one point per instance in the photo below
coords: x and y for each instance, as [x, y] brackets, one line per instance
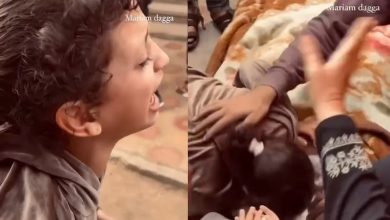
[263, 166]
[287, 72]
[354, 187]
[75, 77]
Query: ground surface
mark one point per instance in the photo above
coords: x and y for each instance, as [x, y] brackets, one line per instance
[127, 194]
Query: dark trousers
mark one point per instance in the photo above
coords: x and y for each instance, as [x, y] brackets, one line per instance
[211, 4]
[217, 4]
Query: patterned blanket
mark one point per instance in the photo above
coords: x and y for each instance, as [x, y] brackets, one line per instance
[274, 30]
[246, 13]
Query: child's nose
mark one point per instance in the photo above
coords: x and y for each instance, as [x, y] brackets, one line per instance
[162, 59]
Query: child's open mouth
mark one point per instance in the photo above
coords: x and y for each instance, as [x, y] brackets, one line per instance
[157, 93]
[156, 101]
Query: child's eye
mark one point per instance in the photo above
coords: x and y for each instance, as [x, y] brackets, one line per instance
[144, 63]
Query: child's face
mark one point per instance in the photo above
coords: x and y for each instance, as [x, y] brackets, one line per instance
[129, 104]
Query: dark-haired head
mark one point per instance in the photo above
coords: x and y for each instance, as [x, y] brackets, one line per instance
[283, 179]
[76, 68]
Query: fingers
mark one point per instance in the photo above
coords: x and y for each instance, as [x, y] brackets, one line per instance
[208, 110]
[307, 129]
[241, 215]
[316, 207]
[382, 29]
[353, 42]
[269, 212]
[221, 124]
[251, 214]
[302, 142]
[311, 55]
[384, 40]
[259, 215]
[252, 119]
[379, 41]
[215, 116]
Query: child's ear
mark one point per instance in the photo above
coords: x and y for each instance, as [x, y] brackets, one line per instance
[76, 119]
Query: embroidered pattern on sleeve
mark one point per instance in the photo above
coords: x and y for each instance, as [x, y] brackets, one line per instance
[340, 141]
[342, 162]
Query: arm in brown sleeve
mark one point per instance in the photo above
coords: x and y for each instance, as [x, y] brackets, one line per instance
[204, 90]
[328, 28]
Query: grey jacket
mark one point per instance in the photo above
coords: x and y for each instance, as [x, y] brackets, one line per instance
[37, 183]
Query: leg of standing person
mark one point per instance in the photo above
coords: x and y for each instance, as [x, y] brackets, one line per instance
[193, 20]
[220, 12]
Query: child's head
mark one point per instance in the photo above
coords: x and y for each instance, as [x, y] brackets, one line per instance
[283, 179]
[76, 69]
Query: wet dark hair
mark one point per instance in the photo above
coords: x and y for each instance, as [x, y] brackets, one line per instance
[283, 180]
[53, 52]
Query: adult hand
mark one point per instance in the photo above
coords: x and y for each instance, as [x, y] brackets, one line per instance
[263, 213]
[328, 81]
[249, 216]
[250, 107]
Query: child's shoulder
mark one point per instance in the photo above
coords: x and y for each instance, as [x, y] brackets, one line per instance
[26, 189]
[15, 175]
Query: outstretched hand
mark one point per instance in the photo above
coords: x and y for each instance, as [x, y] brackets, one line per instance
[250, 107]
[328, 81]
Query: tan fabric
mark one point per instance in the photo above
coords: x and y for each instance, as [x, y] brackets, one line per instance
[41, 184]
[272, 38]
